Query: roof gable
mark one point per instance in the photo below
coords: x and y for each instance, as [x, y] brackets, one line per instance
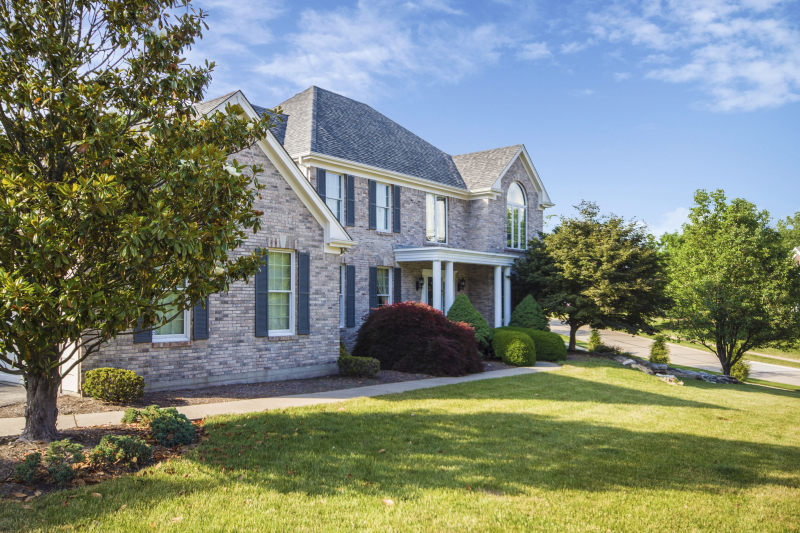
[480, 170]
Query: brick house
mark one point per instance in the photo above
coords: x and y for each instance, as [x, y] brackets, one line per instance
[358, 212]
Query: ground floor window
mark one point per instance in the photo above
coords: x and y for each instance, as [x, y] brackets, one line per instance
[177, 329]
[281, 293]
[384, 286]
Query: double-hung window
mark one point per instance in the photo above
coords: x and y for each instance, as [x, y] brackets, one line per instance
[334, 194]
[383, 207]
[435, 218]
[177, 329]
[281, 293]
[516, 220]
[384, 286]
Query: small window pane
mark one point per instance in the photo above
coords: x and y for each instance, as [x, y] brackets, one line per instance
[278, 310]
[430, 217]
[509, 227]
[441, 219]
[515, 194]
[280, 271]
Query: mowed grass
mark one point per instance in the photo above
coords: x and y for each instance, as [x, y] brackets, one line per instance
[588, 447]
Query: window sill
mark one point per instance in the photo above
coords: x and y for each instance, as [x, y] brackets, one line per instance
[429, 243]
[284, 337]
[383, 232]
[171, 344]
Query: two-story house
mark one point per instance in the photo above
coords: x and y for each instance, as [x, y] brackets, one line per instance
[358, 212]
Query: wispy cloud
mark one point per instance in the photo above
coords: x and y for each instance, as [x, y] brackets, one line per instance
[670, 221]
[534, 51]
[745, 54]
[622, 76]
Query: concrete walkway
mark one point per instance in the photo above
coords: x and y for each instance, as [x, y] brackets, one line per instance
[11, 393]
[14, 426]
[683, 355]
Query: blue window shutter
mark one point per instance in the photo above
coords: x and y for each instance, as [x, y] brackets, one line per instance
[321, 183]
[372, 217]
[142, 335]
[396, 294]
[396, 209]
[350, 208]
[373, 287]
[350, 296]
[262, 298]
[200, 320]
[303, 283]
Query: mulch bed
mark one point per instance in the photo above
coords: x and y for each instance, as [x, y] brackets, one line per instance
[12, 452]
[69, 404]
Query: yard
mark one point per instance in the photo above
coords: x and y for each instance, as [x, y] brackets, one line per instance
[591, 446]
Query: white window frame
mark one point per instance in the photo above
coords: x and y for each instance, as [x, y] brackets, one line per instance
[179, 337]
[436, 198]
[383, 213]
[338, 211]
[342, 293]
[389, 277]
[292, 295]
[521, 229]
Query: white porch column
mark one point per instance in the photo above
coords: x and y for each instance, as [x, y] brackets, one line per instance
[437, 285]
[449, 289]
[506, 295]
[498, 296]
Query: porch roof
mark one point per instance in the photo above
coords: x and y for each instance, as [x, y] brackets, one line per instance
[456, 255]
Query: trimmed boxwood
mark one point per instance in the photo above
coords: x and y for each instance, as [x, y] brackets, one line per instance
[415, 337]
[514, 347]
[462, 310]
[114, 385]
[529, 314]
[364, 367]
[549, 346]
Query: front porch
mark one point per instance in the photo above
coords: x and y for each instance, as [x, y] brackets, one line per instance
[438, 274]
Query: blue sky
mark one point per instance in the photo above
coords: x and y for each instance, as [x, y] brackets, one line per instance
[634, 105]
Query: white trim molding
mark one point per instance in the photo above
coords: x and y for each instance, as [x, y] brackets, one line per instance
[336, 238]
[456, 255]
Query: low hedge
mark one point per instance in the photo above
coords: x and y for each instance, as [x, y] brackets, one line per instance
[364, 367]
[549, 346]
[114, 385]
[514, 347]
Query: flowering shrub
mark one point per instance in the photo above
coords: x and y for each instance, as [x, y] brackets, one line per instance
[415, 337]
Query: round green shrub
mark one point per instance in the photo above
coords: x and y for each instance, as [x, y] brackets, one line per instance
[60, 456]
[549, 346]
[514, 347]
[365, 367]
[115, 385]
[144, 416]
[595, 342]
[659, 351]
[462, 310]
[529, 314]
[28, 470]
[741, 370]
[171, 428]
[121, 449]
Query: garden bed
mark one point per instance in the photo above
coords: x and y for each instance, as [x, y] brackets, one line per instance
[12, 452]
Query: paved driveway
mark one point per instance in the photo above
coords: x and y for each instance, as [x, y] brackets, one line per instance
[682, 355]
[11, 393]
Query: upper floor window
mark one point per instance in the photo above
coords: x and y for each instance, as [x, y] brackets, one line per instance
[435, 218]
[176, 329]
[383, 206]
[334, 193]
[516, 223]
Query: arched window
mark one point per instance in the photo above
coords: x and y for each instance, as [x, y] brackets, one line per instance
[516, 214]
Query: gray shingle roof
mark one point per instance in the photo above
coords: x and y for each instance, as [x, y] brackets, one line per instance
[323, 122]
[481, 169]
[327, 123]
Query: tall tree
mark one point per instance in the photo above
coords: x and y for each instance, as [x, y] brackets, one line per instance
[117, 202]
[597, 270]
[789, 228]
[731, 279]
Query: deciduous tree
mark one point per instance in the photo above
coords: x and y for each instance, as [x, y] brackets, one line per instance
[113, 192]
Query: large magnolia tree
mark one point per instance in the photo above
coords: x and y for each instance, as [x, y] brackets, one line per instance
[113, 192]
[732, 279]
[595, 270]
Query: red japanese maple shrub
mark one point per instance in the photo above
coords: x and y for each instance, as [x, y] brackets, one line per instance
[415, 337]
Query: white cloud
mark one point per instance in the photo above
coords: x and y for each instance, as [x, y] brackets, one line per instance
[670, 221]
[744, 54]
[582, 92]
[574, 47]
[366, 49]
[622, 76]
[534, 51]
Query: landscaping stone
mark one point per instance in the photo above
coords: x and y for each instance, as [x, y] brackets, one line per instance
[662, 370]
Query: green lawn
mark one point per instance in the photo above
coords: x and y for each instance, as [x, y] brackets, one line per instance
[591, 446]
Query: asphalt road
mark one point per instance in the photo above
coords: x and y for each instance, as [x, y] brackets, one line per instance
[682, 355]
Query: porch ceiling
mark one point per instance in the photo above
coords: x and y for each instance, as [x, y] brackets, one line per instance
[456, 255]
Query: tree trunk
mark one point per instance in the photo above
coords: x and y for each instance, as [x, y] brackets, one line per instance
[573, 330]
[41, 409]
